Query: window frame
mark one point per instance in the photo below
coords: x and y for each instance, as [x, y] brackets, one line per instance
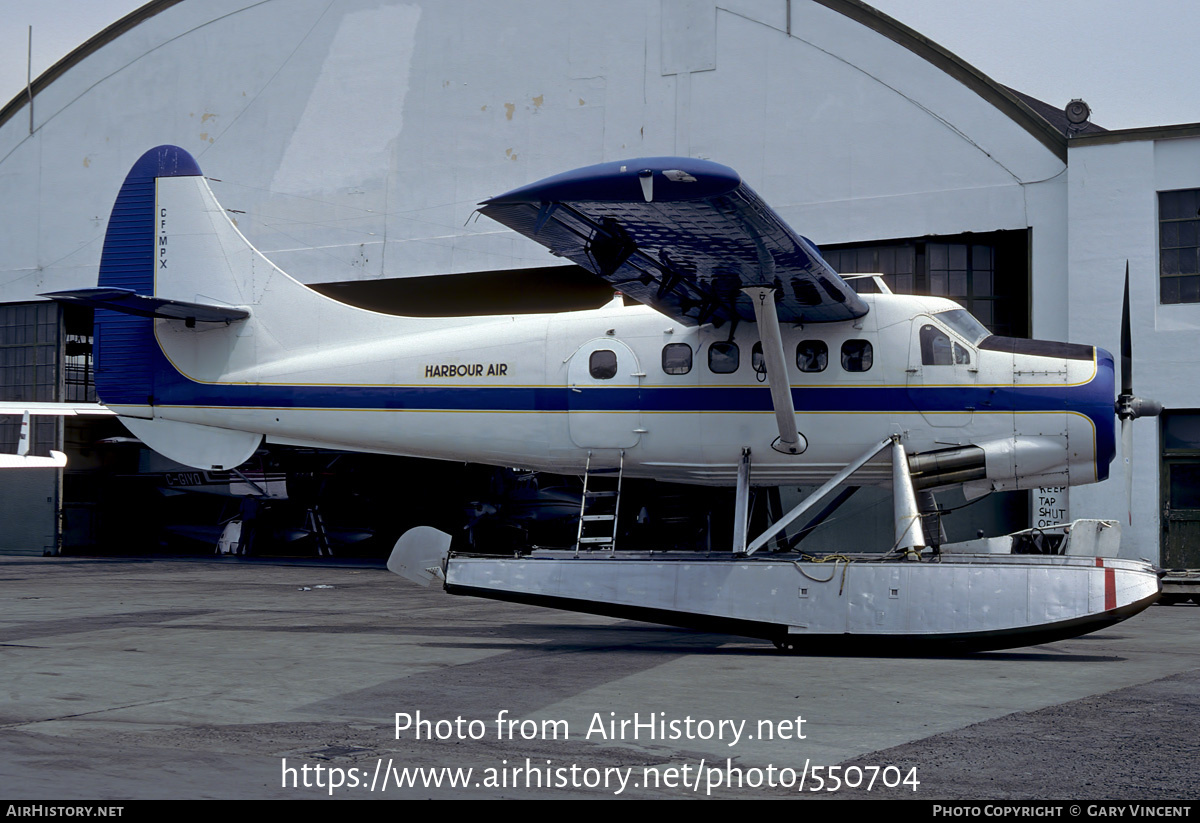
[824, 366]
[1179, 287]
[592, 367]
[737, 356]
[690, 359]
[866, 354]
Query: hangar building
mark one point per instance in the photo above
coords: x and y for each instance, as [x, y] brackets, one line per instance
[351, 141]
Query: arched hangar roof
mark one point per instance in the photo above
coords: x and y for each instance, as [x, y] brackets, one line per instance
[355, 137]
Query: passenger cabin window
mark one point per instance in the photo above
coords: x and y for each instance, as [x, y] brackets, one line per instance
[677, 358]
[757, 361]
[723, 358]
[602, 365]
[812, 355]
[857, 355]
[937, 349]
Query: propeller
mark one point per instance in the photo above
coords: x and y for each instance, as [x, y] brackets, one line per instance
[1129, 406]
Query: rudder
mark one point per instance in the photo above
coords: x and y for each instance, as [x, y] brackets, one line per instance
[125, 346]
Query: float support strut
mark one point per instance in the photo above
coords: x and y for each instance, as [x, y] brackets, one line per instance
[909, 534]
[741, 506]
[814, 498]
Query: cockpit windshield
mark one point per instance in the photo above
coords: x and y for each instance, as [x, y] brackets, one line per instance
[961, 321]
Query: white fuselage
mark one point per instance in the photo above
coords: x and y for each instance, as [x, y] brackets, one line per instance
[519, 391]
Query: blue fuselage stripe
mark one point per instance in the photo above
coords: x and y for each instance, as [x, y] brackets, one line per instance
[651, 399]
[1092, 399]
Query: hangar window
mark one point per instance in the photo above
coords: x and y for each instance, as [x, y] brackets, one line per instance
[1181, 432]
[1179, 246]
[812, 355]
[857, 355]
[29, 369]
[602, 365]
[723, 358]
[677, 358]
[985, 273]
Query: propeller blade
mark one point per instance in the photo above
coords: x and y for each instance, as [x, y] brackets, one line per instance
[1127, 456]
[1127, 392]
[1126, 341]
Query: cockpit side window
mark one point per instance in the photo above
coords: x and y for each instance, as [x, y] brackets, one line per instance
[937, 349]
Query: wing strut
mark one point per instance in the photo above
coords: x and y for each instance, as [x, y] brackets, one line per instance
[790, 441]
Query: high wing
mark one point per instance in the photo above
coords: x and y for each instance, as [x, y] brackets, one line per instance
[679, 234]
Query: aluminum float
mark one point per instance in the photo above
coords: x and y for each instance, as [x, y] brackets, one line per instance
[1022, 589]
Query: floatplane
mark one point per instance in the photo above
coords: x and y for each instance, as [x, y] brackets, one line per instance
[747, 361]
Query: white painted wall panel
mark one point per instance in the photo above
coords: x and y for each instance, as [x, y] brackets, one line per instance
[357, 136]
[1046, 208]
[1113, 208]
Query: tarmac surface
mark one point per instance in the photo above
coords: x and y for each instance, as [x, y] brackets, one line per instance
[225, 678]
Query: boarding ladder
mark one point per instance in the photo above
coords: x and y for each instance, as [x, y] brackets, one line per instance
[599, 506]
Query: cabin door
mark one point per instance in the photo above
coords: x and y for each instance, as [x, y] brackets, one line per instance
[604, 395]
[941, 375]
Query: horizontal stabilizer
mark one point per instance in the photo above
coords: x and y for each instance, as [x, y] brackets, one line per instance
[52, 409]
[127, 301]
[56, 460]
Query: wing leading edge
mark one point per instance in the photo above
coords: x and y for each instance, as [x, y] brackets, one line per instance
[684, 236]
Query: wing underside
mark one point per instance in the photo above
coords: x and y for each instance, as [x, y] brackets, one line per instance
[684, 236]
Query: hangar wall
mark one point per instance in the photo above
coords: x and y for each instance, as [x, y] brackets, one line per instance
[1114, 181]
[358, 136]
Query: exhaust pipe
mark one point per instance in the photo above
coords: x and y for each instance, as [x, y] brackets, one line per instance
[947, 467]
